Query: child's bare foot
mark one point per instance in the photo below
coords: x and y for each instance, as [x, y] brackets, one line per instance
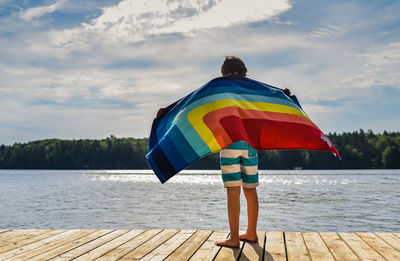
[250, 238]
[228, 243]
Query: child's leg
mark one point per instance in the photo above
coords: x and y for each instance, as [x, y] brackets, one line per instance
[252, 214]
[250, 182]
[232, 178]
[233, 194]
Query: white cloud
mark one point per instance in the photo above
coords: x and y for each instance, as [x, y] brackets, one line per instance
[384, 55]
[76, 104]
[228, 13]
[381, 67]
[135, 20]
[326, 32]
[37, 12]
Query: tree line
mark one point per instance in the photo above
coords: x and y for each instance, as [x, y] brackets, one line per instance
[359, 150]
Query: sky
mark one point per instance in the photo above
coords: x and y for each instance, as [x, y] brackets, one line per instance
[89, 69]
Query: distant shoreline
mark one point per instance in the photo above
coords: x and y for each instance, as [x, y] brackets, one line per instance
[359, 150]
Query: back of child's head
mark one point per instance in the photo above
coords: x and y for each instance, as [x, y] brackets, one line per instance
[233, 65]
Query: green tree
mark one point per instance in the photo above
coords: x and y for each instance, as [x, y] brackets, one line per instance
[391, 157]
[358, 149]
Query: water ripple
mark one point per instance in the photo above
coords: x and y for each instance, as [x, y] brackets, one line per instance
[290, 200]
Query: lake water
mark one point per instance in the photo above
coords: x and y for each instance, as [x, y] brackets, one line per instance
[290, 200]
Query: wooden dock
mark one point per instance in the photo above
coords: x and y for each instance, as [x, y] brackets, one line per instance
[171, 244]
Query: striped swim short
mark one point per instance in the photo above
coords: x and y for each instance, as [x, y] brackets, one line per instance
[239, 165]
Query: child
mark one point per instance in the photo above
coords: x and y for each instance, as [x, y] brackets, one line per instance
[239, 168]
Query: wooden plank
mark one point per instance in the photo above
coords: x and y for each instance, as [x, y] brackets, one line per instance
[164, 250]
[254, 251]
[360, 248]
[18, 236]
[6, 234]
[110, 245]
[295, 247]
[209, 250]
[189, 247]
[29, 244]
[338, 247]
[40, 244]
[75, 234]
[21, 232]
[316, 247]
[4, 231]
[76, 252]
[390, 239]
[383, 248]
[227, 253]
[62, 248]
[15, 230]
[151, 244]
[46, 244]
[130, 245]
[275, 246]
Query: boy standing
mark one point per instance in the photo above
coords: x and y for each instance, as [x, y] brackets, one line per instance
[239, 167]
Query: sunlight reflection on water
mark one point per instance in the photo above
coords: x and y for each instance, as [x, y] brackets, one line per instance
[213, 177]
[290, 200]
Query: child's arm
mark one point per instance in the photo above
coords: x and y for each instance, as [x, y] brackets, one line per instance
[162, 111]
[289, 94]
[293, 97]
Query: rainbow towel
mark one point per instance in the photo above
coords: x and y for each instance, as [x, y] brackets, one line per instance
[224, 111]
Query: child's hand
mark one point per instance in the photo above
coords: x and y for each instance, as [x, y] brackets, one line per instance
[160, 113]
[287, 91]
